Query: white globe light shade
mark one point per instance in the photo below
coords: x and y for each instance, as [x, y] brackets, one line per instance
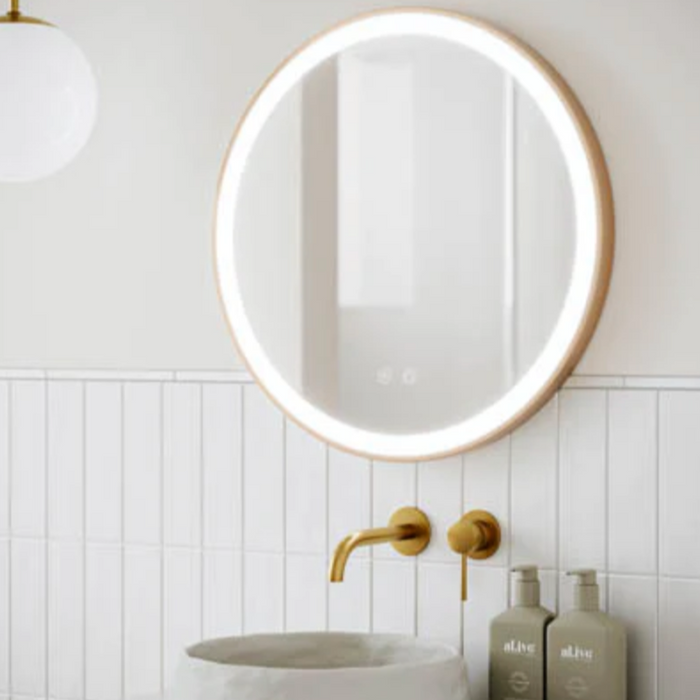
[48, 101]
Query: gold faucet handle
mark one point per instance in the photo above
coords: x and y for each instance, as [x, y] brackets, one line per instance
[476, 535]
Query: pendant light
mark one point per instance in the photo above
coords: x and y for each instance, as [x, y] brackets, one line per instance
[48, 98]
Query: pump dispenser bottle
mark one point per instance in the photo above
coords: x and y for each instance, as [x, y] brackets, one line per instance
[517, 661]
[586, 649]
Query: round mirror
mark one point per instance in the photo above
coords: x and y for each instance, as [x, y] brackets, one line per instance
[414, 234]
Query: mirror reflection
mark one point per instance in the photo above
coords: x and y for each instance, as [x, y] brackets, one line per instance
[404, 235]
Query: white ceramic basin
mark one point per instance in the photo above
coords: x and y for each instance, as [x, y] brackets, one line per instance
[320, 666]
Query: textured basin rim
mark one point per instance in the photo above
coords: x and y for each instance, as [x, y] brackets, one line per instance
[260, 651]
[594, 234]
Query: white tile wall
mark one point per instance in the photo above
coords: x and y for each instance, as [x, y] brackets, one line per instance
[140, 512]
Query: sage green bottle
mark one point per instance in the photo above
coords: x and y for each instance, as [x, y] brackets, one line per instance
[586, 649]
[517, 646]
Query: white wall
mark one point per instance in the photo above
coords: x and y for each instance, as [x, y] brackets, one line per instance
[108, 264]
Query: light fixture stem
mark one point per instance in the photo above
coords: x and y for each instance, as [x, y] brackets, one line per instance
[14, 8]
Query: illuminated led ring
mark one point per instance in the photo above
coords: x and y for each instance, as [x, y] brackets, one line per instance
[594, 233]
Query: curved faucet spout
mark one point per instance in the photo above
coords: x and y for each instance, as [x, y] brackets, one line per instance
[366, 538]
[408, 531]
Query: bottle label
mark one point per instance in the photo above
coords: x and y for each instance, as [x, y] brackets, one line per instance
[577, 667]
[517, 663]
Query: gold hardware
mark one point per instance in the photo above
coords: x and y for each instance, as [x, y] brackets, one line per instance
[477, 535]
[408, 532]
[14, 16]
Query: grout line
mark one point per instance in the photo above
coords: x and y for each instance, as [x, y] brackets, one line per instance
[10, 530]
[161, 535]
[592, 381]
[370, 554]
[47, 547]
[236, 376]
[22, 374]
[660, 382]
[202, 507]
[557, 504]
[122, 532]
[416, 578]
[242, 510]
[285, 535]
[327, 537]
[657, 632]
[462, 507]
[83, 517]
[236, 502]
[241, 375]
[106, 375]
[509, 525]
[154, 548]
[606, 499]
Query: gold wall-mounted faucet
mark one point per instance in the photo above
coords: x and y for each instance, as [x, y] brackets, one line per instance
[408, 532]
[476, 535]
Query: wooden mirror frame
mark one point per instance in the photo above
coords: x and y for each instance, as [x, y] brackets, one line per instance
[595, 233]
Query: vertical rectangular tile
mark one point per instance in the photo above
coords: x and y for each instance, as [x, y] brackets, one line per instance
[394, 597]
[4, 459]
[534, 490]
[632, 470]
[182, 625]
[66, 620]
[103, 623]
[549, 590]
[349, 500]
[142, 622]
[66, 459]
[28, 618]
[487, 598]
[223, 593]
[439, 603]
[306, 593]
[583, 478]
[440, 498]
[393, 487]
[4, 618]
[679, 482]
[28, 458]
[634, 602]
[349, 603]
[103, 461]
[263, 593]
[679, 621]
[264, 473]
[486, 478]
[182, 477]
[143, 462]
[222, 456]
[305, 492]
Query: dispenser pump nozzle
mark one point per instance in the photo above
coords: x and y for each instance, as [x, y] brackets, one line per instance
[586, 589]
[527, 586]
